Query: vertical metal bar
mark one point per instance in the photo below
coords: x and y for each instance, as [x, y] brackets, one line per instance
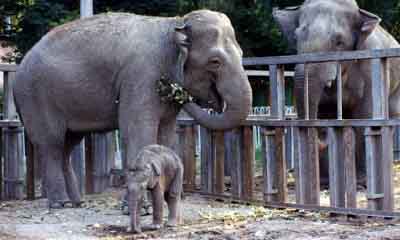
[339, 92]
[306, 96]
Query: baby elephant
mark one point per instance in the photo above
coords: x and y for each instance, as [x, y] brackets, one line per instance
[159, 170]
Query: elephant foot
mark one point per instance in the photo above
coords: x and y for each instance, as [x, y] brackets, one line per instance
[172, 223]
[75, 204]
[152, 227]
[134, 230]
[58, 204]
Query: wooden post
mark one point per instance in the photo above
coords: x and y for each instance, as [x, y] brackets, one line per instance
[387, 168]
[268, 150]
[247, 173]
[377, 90]
[275, 185]
[189, 158]
[207, 160]
[350, 167]
[102, 162]
[307, 166]
[86, 8]
[337, 185]
[30, 170]
[10, 112]
[78, 164]
[1, 165]
[13, 162]
[228, 152]
[13, 151]
[379, 141]
[236, 166]
[396, 144]
[374, 169]
[275, 182]
[339, 93]
[219, 186]
[89, 164]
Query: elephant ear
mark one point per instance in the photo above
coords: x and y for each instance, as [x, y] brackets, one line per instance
[369, 22]
[182, 41]
[288, 22]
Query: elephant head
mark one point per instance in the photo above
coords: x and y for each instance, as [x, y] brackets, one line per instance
[324, 26]
[211, 69]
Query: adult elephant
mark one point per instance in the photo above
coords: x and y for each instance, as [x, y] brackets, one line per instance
[338, 25]
[102, 73]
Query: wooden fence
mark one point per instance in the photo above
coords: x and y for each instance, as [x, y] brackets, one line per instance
[237, 145]
[378, 135]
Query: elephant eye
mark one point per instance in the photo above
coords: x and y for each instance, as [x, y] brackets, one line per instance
[215, 63]
[340, 41]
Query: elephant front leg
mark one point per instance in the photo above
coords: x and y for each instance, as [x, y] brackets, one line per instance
[157, 199]
[167, 133]
[52, 157]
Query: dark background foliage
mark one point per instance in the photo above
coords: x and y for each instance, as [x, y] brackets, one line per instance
[256, 31]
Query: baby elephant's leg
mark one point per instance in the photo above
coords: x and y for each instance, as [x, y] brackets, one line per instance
[174, 210]
[158, 200]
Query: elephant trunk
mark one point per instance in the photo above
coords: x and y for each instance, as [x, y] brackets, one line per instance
[237, 95]
[314, 93]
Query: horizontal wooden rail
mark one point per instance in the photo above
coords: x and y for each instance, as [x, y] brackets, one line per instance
[268, 122]
[323, 57]
[10, 123]
[259, 73]
[8, 67]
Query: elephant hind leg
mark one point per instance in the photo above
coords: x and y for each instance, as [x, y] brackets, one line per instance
[52, 155]
[72, 186]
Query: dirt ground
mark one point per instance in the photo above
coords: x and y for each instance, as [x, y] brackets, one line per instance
[101, 218]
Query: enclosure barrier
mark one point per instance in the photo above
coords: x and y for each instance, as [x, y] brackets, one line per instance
[237, 146]
[377, 133]
[12, 151]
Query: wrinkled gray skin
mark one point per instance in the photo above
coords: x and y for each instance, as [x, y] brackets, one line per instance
[338, 25]
[162, 174]
[101, 73]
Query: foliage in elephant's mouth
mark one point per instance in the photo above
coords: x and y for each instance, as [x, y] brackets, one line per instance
[172, 92]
